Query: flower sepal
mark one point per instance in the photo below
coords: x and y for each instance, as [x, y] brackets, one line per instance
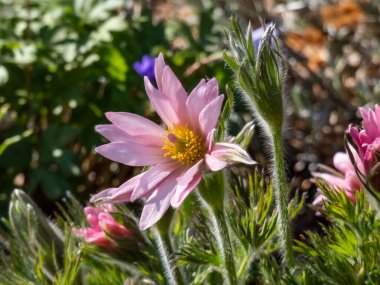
[212, 189]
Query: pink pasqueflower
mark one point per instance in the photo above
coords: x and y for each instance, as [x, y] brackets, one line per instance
[367, 140]
[345, 178]
[102, 228]
[175, 153]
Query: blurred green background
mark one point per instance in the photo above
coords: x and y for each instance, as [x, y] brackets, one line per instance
[64, 63]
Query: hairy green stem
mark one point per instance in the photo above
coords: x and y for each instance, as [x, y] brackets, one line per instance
[281, 196]
[223, 242]
[176, 272]
[162, 251]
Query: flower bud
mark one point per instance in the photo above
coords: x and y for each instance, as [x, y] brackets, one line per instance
[260, 75]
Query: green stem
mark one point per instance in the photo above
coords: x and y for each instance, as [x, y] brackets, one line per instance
[160, 245]
[176, 272]
[163, 228]
[281, 196]
[223, 242]
[243, 265]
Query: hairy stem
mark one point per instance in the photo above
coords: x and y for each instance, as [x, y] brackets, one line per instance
[223, 242]
[281, 195]
[165, 263]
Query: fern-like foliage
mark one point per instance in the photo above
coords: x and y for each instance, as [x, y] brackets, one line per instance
[252, 221]
[37, 250]
[348, 252]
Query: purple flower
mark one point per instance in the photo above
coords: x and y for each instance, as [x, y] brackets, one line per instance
[145, 67]
[257, 34]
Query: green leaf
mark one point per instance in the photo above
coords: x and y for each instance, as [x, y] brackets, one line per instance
[53, 185]
[117, 67]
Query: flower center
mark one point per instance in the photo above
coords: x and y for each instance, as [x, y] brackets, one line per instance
[184, 145]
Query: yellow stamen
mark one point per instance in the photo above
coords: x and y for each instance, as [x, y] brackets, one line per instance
[184, 145]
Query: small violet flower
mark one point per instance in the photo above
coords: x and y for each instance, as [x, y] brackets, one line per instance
[102, 227]
[145, 67]
[176, 153]
[257, 35]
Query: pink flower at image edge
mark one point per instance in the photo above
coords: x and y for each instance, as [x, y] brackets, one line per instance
[367, 143]
[367, 139]
[175, 154]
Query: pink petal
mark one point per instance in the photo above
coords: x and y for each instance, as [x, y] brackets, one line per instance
[173, 90]
[377, 112]
[371, 126]
[131, 153]
[157, 204]
[99, 239]
[113, 228]
[194, 106]
[112, 133]
[209, 116]
[118, 195]
[94, 211]
[351, 196]
[186, 183]
[214, 164]
[182, 191]
[370, 157]
[352, 181]
[355, 134]
[151, 179]
[189, 174]
[357, 159]
[92, 214]
[138, 126]
[199, 98]
[364, 112]
[210, 140]
[342, 162]
[320, 198]
[332, 180]
[364, 138]
[162, 105]
[231, 153]
[159, 69]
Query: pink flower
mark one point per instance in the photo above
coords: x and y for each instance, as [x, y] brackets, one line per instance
[367, 141]
[102, 224]
[346, 179]
[176, 153]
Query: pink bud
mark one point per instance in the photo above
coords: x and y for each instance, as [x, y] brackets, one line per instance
[101, 225]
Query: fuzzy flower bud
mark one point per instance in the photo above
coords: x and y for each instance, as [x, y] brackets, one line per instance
[259, 72]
